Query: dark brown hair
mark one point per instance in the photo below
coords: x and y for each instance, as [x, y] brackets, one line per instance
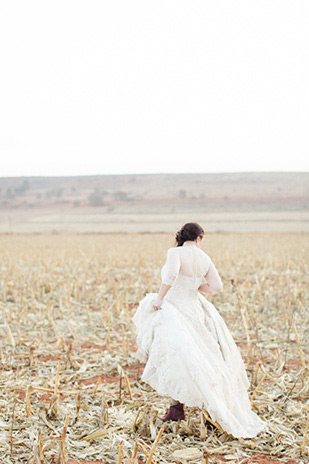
[189, 231]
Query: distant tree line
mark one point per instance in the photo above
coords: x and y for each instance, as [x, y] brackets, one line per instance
[13, 192]
[96, 198]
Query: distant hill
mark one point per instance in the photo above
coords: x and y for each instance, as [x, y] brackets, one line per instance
[233, 202]
[276, 191]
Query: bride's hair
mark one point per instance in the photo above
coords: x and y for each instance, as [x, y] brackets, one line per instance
[190, 231]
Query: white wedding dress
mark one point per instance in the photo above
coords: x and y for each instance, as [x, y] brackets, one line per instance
[189, 352]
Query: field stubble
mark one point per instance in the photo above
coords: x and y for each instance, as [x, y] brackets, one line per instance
[70, 384]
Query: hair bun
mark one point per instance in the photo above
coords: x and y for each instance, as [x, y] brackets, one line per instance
[189, 231]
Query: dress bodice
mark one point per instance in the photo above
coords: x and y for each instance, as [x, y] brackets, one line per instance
[187, 284]
[184, 292]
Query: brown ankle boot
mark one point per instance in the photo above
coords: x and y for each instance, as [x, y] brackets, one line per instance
[176, 412]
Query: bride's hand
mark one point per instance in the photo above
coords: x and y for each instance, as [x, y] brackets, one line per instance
[157, 304]
[205, 288]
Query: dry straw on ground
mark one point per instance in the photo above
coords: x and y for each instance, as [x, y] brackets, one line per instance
[70, 385]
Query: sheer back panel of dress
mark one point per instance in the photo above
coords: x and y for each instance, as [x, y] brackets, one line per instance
[193, 261]
[187, 260]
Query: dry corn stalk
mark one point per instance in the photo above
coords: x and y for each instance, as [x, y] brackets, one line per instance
[129, 386]
[134, 454]
[155, 444]
[205, 457]
[305, 436]
[120, 452]
[142, 446]
[258, 385]
[299, 346]
[63, 437]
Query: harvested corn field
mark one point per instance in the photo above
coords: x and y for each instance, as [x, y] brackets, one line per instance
[70, 385]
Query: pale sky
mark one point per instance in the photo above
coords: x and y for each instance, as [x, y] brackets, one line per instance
[110, 86]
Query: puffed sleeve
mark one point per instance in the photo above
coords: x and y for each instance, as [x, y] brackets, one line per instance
[213, 278]
[171, 268]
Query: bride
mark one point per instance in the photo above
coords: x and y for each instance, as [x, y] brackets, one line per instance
[189, 352]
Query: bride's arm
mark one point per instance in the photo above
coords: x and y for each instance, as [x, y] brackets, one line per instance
[164, 288]
[169, 274]
[213, 282]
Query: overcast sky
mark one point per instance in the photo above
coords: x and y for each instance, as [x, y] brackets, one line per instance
[109, 86]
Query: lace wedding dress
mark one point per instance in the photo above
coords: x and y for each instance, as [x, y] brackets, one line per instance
[189, 352]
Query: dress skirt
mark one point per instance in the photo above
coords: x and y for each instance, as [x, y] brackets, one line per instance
[191, 356]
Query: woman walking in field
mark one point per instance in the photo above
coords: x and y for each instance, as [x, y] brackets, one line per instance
[189, 352]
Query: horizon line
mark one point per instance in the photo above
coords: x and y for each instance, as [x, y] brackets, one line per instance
[150, 174]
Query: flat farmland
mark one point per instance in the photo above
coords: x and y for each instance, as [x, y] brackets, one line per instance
[97, 220]
[70, 383]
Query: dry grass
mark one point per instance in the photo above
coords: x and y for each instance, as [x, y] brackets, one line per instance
[70, 389]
